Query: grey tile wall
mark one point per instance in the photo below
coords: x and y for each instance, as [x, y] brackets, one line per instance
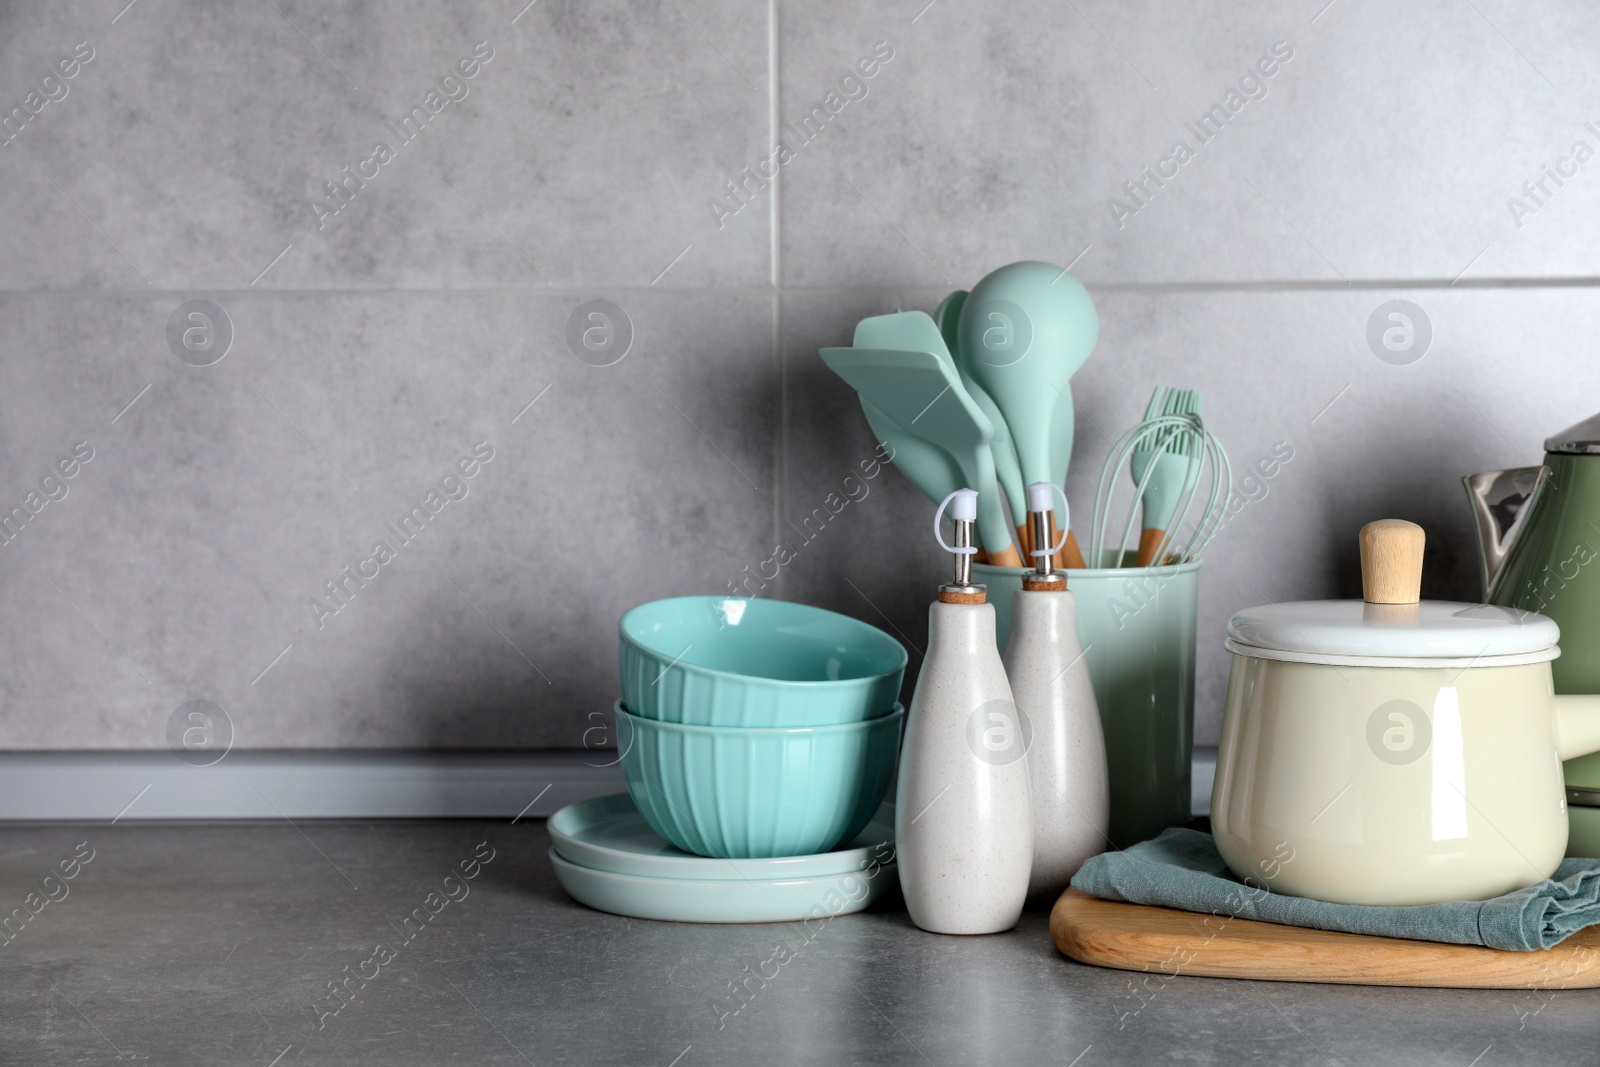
[588, 157]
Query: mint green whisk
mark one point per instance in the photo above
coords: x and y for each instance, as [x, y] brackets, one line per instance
[1170, 454]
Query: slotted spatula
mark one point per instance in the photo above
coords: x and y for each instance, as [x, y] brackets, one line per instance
[923, 396]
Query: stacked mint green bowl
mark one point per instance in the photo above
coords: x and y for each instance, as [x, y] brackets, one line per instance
[755, 728]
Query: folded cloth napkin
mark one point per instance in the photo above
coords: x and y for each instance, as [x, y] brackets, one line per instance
[1182, 869]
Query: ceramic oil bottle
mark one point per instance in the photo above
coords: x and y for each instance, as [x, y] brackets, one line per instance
[1070, 789]
[963, 831]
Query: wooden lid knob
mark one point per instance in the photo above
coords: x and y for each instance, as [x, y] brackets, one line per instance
[1391, 562]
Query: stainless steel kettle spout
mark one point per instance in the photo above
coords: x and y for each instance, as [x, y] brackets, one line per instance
[1501, 504]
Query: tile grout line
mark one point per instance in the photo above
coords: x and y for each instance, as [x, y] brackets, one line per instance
[1263, 287]
[780, 474]
[774, 100]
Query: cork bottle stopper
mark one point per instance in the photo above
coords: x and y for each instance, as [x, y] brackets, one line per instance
[1391, 562]
[976, 594]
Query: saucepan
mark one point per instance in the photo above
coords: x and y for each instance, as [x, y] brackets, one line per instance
[1393, 751]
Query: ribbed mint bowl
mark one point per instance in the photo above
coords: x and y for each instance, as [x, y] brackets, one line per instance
[753, 793]
[732, 661]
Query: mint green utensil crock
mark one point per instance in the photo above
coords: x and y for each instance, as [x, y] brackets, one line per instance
[1137, 626]
[737, 661]
[737, 792]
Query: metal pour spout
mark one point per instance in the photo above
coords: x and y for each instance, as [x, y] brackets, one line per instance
[963, 505]
[1501, 503]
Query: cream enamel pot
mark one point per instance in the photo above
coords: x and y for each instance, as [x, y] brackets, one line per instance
[1391, 751]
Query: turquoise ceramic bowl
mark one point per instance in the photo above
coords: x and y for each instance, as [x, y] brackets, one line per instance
[732, 661]
[751, 793]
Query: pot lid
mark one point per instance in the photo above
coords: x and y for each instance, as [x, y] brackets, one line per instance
[1579, 439]
[1391, 626]
[1329, 630]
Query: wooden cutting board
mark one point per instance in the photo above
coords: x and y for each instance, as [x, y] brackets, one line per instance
[1137, 937]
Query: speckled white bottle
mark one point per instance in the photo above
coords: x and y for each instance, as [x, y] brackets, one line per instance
[963, 830]
[1071, 798]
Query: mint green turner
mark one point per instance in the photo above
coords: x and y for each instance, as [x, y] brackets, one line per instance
[923, 396]
[927, 466]
[914, 331]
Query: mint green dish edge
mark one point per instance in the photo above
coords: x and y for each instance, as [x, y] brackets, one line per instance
[725, 901]
[578, 832]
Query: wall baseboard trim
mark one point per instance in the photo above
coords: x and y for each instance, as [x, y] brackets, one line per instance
[343, 784]
[135, 787]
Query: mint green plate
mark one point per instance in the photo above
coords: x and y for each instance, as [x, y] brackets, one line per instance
[760, 900]
[609, 834]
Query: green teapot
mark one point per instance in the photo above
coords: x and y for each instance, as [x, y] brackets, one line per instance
[1539, 535]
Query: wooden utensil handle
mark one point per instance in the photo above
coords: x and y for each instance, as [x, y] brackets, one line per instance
[1006, 557]
[1149, 544]
[1071, 556]
[1391, 562]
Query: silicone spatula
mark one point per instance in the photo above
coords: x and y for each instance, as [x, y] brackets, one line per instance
[914, 331]
[947, 317]
[923, 396]
[927, 466]
[1061, 430]
[1166, 467]
[1024, 330]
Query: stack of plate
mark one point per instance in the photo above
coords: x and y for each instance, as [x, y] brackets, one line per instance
[606, 856]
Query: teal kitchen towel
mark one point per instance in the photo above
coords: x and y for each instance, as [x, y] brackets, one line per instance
[1182, 869]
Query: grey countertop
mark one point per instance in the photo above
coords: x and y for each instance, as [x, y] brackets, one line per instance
[219, 944]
